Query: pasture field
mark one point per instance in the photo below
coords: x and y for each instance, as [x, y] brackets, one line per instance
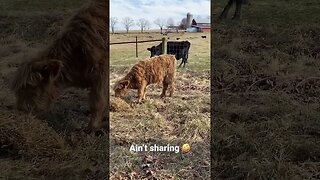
[266, 71]
[53, 145]
[183, 118]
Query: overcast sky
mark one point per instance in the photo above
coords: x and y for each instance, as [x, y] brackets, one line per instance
[153, 9]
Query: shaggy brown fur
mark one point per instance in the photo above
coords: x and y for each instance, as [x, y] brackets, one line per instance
[237, 13]
[158, 69]
[78, 57]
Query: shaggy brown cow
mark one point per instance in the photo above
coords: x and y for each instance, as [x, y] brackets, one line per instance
[158, 69]
[78, 57]
[237, 13]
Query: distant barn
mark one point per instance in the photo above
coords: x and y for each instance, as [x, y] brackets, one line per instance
[200, 26]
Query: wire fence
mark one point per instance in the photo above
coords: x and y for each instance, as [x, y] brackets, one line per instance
[178, 48]
[136, 42]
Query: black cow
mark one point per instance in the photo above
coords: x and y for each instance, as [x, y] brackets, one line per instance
[179, 49]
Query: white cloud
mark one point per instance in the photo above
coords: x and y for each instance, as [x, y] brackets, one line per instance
[153, 9]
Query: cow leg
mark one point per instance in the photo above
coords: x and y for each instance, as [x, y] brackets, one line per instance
[238, 10]
[97, 102]
[184, 62]
[164, 89]
[171, 88]
[144, 94]
[141, 91]
[181, 63]
[225, 11]
[185, 58]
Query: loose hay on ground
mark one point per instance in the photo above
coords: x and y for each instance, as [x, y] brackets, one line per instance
[118, 104]
[29, 137]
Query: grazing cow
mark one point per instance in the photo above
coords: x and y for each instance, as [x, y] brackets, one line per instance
[179, 49]
[237, 13]
[158, 69]
[77, 57]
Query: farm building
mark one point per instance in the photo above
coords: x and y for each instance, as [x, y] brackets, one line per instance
[200, 26]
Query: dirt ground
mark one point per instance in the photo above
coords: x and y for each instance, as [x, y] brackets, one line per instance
[265, 88]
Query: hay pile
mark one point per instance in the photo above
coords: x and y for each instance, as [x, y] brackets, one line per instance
[28, 137]
[118, 104]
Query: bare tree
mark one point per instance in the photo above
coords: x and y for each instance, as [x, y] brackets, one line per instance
[127, 22]
[148, 26]
[170, 22]
[113, 22]
[160, 23]
[142, 23]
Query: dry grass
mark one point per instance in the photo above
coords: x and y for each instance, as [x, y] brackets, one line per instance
[184, 118]
[125, 54]
[52, 145]
[266, 92]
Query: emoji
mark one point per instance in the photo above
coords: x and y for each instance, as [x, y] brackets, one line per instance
[185, 148]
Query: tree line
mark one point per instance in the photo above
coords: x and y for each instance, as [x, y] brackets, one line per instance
[145, 24]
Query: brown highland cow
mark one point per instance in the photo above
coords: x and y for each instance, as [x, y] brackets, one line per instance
[158, 69]
[78, 57]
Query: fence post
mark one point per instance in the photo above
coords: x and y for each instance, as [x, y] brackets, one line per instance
[136, 46]
[164, 45]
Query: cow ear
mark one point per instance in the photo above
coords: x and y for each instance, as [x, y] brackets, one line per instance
[34, 79]
[122, 84]
[51, 69]
[149, 49]
[125, 83]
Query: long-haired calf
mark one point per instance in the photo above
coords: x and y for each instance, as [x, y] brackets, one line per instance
[158, 69]
[78, 57]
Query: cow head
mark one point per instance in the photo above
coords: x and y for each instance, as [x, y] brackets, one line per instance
[35, 86]
[152, 51]
[121, 88]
